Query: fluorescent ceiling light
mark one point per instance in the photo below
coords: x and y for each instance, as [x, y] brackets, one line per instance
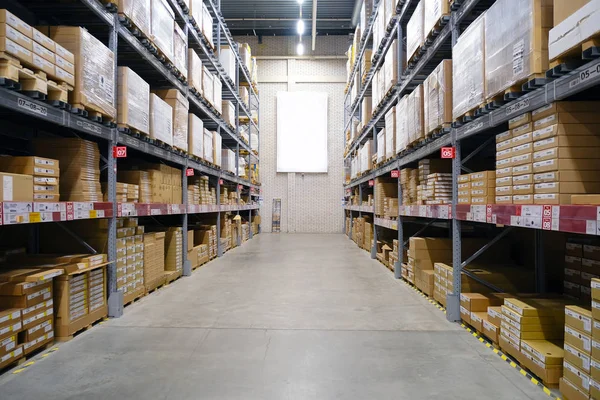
[300, 1]
[300, 27]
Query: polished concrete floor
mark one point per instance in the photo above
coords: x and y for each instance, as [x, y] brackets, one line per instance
[283, 317]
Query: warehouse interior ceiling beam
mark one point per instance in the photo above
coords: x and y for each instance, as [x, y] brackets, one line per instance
[268, 18]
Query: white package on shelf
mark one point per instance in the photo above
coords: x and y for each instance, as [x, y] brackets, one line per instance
[228, 112]
[414, 30]
[208, 145]
[254, 141]
[228, 61]
[402, 124]
[365, 13]
[195, 71]
[196, 7]
[218, 94]
[433, 11]
[516, 42]
[415, 115]
[195, 136]
[161, 120]
[207, 24]
[133, 101]
[228, 160]
[381, 146]
[468, 69]
[208, 86]
[390, 133]
[139, 12]
[575, 29]
[180, 46]
[217, 146]
[163, 23]
[437, 92]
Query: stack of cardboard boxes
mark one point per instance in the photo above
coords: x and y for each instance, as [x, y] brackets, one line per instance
[439, 189]
[180, 107]
[173, 253]
[477, 188]
[130, 258]
[409, 181]
[45, 173]
[578, 349]
[565, 145]
[79, 167]
[196, 254]
[423, 253]
[154, 260]
[158, 183]
[207, 234]
[126, 192]
[572, 272]
[385, 189]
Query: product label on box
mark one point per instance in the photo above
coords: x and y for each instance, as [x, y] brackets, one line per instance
[545, 176]
[587, 276]
[541, 164]
[546, 196]
[500, 163]
[475, 317]
[547, 185]
[519, 169]
[64, 64]
[504, 181]
[15, 49]
[502, 189]
[488, 325]
[541, 110]
[520, 129]
[544, 142]
[546, 120]
[522, 157]
[522, 138]
[595, 363]
[518, 59]
[504, 135]
[517, 119]
[594, 384]
[585, 382]
[522, 187]
[586, 341]
[595, 285]
[502, 153]
[571, 272]
[569, 285]
[464, 311]
[11, 328]
[521, 178]
[15, 35]
[542, 132]
[585, 359]
[587, 322]
[37, 294]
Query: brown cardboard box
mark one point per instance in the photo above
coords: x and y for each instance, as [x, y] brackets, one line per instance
[564, 106]
[10, 19]
[523, 169]
[491, 331]
[17, 37]
[595, 284]
[567, 187]
[570, 391]
[518, 121]
[578, 339]
[571, 289]
[577, 377]
[574, 249]
[477, 319]
[548, 374]
[474, 301]
[548, 353]
[566, 141]
[567, 176]
[495, 315]
[585, 199]
[579, 318]
[521, 140]
[522, 130]
[567, 118]
[565, 153]
[559, 130]
[591, 252]
[566, 164]
[580, 359]
[595, 369]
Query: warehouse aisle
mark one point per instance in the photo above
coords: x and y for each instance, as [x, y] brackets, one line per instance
[283, 317]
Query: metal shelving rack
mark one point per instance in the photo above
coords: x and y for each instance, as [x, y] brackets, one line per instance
[103, 22]
[563, 218]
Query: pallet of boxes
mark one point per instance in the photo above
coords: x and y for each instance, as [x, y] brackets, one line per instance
[130, 259]
[26, 311]
[197, 254]
[44, 173]
[34, 63]
[207, 235]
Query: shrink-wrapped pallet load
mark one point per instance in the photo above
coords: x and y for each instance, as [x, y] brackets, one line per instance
[133, 101]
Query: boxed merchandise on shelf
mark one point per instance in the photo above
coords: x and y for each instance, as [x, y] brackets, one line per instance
[228, 160]
[139, 13]
[228, 61]
[207, 143]
[437, 104]
[415, 118]
[414, 31]
[218, 94]
[468, 69]
[42, 185]
[402, 137]
[180, 46]
[163, 27]
[381, 146]
[390, 68]
[195, 71]
[173, 252]
[154, 260]
[79, 162]
[244, 95]
[207, 24]
[516, 43]
[180, 106]
[95, 70]
[161, 120]
[133, 101]
[390, 135]
[208, 86]
[195, 12]
[195, 136]
[217, 141]
[566, 37]
[434, 11]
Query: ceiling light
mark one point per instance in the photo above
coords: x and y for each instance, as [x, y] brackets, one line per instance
[300, 1]
[300, 49]
[300, 27]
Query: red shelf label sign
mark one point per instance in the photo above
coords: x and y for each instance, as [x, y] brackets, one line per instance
[189, 172]
[448, 152]
[395, 173]
[240, 187]
[220, 181]
[119, 151]
[371, 182]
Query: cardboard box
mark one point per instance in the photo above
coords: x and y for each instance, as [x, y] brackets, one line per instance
[548, 353]
[574, 29]
[567, 187]
[578, 339]
[579, 359]
[522, 139]
[577, 377]
[585, 199]
[519, 120]
[565, 130]
[567, 118]
[17, 37]
[18, 51]
[565, 8]
[523, 169]
[10, 19]
[522, 130]
[133, 101]
[570, 391]
[566, 164]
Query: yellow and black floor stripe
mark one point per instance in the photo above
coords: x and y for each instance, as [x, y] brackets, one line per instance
[490, 346]
[31, 362]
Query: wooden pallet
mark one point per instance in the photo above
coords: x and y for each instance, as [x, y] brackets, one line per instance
[93, 113]
[80, 331]
[440, 130]
[468, 116]
[129, 299]
[574, 58]
[172, 276]
[437, 28]
[111, 5]
[129, 130]
[199, 265]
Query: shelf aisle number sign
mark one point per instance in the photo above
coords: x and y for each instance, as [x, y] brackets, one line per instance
[448, 152]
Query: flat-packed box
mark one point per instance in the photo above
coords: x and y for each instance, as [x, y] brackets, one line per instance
[217, 147]
[516, 44]
[163, 23]
[577, 377]
[390, 133]
[95, 69]
[577, 358]
[581, 25]
[16, 187]
[519, 120]
[567, 164]
[468, 69]
[139, 13]
[208, 86]
[567, 187]
[208, 146]
[578, 339]
[161, 120]
[566, 153]
[567, 118]
[10, 47]
[567, 176]
[414, 30]
[30, 165]
[194, 71]
[195, 136]
[180, 47]
[565, 8]
[566, 141]
[578, 318]
[570, 391]
[180, 106]
[133, 101]
[228, 61]
[415, 108]
[566, 130]
[9, 18]
[207, 25]
[217, 94]
[15, 36]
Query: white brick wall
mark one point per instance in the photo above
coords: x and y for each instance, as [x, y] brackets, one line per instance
[310, 203]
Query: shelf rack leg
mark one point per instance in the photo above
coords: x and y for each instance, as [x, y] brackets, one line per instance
[453, 299]
[398, 264]
[219, 247]
[540, 266]
[187, 265]
[115, 297]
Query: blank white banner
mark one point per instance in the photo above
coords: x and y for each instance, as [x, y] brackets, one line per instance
[302, 132]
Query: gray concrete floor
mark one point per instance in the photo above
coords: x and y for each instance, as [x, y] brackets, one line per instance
[283, 317]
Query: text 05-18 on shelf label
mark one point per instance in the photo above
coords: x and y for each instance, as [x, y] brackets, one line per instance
[31, 106]
[585, 75]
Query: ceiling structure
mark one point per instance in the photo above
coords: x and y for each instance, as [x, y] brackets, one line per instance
[279, 17]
